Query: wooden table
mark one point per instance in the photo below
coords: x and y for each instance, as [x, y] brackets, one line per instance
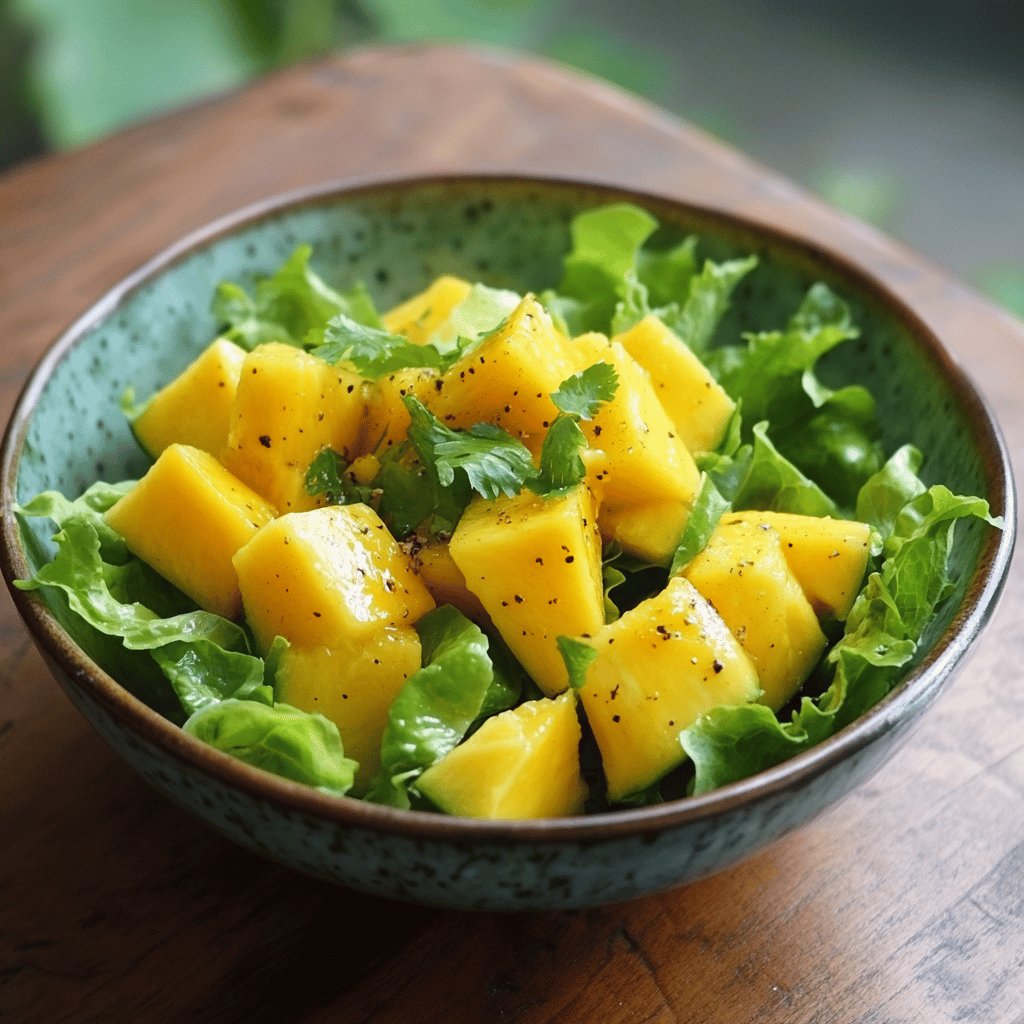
[906, 903]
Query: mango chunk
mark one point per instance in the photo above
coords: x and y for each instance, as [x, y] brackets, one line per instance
[387, 419]
[187, 517]
[417, 318]
[744, 574]
[658, 667]
[646, 459]
[195, 408]
[695, 402]
[354, 687]
[828, 557]
[289, 407]
[535, 566]
[509, 378]
[445, 581]
[648, 530]
[523, 763]
[328, 577]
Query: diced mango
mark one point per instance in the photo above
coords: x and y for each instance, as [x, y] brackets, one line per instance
[648, 530]
[743, 573]
[195, 408]
[417, 318]
[387, 419]
[535, 565]
[646, 460]
[522, 763]
[354, 687]
[509, 378]
[695, 402]
[289, 407]
[828, 557]
[658, 667]
[445, 581]
[187, 517]
[329, 577]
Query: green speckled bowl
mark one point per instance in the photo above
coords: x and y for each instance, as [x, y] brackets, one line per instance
[67, 431]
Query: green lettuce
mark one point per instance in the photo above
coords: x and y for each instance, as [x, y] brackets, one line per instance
[831, 436]
[708, 508]
[611, 281]
[288, 306]
[758, 476]
[480, 313]
[277, 738]
[437, 706]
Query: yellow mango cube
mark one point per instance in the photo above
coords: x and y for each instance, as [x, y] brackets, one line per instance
[417, 318]
[195, 408]
[509, 378]
[289, 407]
[658, 667]
[387, 418]
[523, 763]
[827, 556]
[695, 402]
[187, 517]
[445, 581]
[743, 573]
[354, 687]
[535, 566]
[647, 530]
[328, 577]
[646, 460]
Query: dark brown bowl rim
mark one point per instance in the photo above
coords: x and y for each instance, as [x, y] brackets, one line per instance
[915, 691]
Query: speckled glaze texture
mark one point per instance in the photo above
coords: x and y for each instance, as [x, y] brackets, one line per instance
[68, 431]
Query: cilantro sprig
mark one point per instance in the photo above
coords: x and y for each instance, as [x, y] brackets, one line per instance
[561, 457]
[373, 352]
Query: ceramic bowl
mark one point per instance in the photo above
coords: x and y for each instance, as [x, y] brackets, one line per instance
[67, 431]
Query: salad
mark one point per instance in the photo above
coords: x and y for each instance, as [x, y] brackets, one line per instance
[511, 556]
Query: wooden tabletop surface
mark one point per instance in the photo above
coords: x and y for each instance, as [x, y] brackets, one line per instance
[903, 904]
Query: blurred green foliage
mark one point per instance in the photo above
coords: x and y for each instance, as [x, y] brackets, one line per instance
[73, 70]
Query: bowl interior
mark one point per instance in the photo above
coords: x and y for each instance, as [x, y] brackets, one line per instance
[396, 239]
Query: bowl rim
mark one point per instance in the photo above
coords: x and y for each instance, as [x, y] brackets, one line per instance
[912, 694]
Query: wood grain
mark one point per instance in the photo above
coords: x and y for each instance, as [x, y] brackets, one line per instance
[904, 904]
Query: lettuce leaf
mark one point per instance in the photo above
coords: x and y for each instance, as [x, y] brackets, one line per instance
[831, 436]
[88, 507]
[480, 313]
[882, 636]
[201, 674]
[611, 282]
[759, 476]
[695, 319]
[708, 508]
[278, 738]
[287, 306]
[437, 705]
[203, 656]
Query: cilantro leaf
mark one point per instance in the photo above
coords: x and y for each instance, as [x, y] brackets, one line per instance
[492, 460]
[582, 394]
[372, 352]
[326, 475]
[561, 464]
[578, 397]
